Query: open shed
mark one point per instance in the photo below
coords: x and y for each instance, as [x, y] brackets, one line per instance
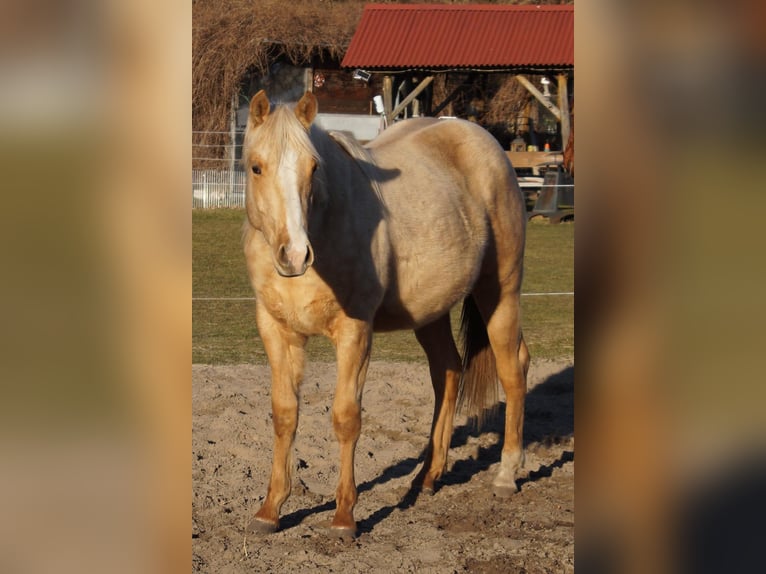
[417, 48]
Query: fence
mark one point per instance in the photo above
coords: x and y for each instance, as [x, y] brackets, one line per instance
[212, 188]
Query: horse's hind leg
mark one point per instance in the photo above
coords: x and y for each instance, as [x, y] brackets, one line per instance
[524, 355]
[512, 360]
[286, 357]
[444, 363]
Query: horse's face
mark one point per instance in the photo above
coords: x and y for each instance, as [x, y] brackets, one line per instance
[280, 164]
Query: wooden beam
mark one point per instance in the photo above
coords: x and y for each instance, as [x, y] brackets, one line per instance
[564, 107]
[411, 96]
[451, 97]
[388, 94]
[536, 93]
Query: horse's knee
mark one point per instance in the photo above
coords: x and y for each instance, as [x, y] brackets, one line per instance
[285, 424]
[284, 415]
[347, 421]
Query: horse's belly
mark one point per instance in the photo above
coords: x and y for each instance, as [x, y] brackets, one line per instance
[438, 238]
[396, 315]
[424, 292]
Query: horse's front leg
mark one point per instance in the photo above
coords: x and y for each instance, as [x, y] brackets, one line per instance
[285, 350]
[352, 340]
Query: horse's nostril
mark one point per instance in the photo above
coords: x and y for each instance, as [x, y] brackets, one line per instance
[309, 256]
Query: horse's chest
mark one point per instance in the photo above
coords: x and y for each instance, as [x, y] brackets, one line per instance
[302, 305]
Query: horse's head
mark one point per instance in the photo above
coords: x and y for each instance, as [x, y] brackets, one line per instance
[280, 161]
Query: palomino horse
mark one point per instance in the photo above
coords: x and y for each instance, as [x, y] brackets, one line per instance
[343, 240]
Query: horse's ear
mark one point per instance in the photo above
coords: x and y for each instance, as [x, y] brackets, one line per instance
[306, 109]
[259, 108]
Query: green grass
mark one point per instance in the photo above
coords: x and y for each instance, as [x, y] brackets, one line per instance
[224, 332]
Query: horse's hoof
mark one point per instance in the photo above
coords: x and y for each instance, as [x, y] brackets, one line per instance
[258, 526]
[421, 486]
[504, 490]
[427, 490]
[346, 534]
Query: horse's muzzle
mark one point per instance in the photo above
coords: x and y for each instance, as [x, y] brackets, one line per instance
[293, 262]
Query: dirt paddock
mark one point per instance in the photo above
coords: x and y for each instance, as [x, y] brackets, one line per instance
[461, 528]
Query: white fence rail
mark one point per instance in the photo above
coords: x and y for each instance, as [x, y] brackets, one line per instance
[214, 188]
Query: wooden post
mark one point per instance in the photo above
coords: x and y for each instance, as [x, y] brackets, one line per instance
[411, 96]
[308, 79]
[564, 107]
[233, 141]
[388, 94]
[536, 93]
[233, 131]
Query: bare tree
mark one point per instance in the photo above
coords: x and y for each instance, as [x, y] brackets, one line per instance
[234, 38]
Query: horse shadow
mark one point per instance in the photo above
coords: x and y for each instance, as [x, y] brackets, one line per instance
[549, 419]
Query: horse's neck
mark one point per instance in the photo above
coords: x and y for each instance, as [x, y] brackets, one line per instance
[350, 191]
[358, 159]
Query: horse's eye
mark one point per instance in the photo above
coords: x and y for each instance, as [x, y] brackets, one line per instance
[256, 170]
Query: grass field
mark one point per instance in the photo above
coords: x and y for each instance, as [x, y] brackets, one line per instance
[224, 332]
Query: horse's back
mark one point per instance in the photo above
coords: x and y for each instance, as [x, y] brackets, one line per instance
[463, 147]
[482, 166]
[436, 132]
[400, 130]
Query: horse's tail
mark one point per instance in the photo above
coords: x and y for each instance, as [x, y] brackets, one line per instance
[477, 391]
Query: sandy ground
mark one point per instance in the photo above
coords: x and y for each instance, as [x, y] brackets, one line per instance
[462, 528]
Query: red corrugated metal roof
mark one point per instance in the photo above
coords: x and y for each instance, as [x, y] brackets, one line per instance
[478, 36]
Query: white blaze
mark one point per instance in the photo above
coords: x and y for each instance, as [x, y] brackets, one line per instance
[298, 242]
